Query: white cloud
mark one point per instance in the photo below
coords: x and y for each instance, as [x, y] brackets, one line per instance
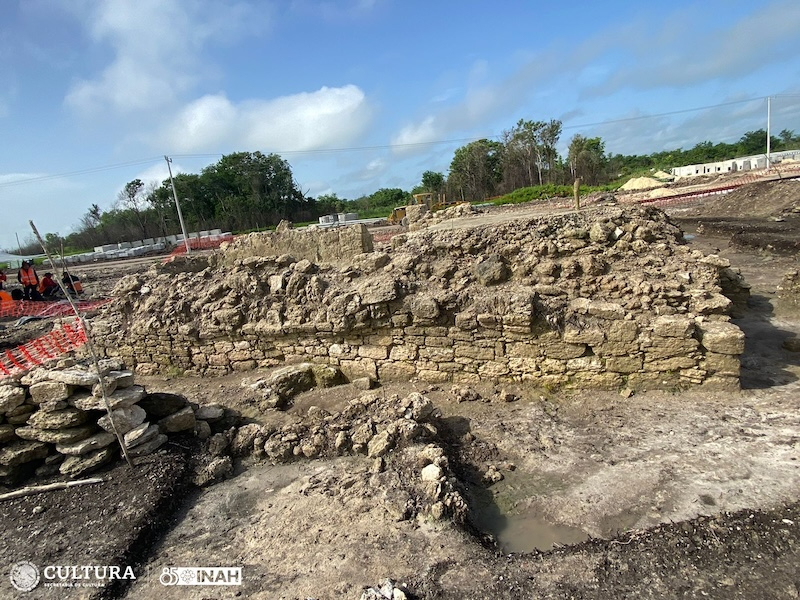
[425, 131]
[677, 51]
[156, 47]
[325, 118]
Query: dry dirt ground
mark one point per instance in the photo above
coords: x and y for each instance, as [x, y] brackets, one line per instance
[663, 494]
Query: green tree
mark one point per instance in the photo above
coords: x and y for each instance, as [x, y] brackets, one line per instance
[433, 182]
[476, 169]
[587, 159]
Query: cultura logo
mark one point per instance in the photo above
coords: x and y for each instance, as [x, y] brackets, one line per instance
[24, 576]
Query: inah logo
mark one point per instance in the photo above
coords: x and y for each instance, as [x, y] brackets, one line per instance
[24, 576]
[201, 576]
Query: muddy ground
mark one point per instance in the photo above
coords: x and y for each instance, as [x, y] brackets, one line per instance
[663, 494]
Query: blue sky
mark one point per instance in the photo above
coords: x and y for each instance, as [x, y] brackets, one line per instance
[362, 94]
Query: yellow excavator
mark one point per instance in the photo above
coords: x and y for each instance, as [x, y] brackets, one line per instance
[433, 200]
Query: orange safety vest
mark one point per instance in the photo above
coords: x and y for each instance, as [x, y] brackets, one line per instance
[5, 297]
[45, 283]
[28, 276]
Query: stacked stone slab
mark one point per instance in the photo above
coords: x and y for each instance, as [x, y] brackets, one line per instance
[53, 420]
[605, 298]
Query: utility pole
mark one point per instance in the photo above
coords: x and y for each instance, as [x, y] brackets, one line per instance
[769, 110]
[178, 205]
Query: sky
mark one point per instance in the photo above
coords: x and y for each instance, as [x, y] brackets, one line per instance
[359, 95]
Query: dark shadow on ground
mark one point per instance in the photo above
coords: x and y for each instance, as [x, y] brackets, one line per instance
[765, 360]
[485, 517]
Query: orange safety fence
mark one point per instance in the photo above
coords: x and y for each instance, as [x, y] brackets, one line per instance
[206, 243]
[45, 309]
[34, 353]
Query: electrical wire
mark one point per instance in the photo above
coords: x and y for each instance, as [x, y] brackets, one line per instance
[157, 159]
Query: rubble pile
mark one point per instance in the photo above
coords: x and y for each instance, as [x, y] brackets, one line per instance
[400, 431]
[53, 420]
[604, 298]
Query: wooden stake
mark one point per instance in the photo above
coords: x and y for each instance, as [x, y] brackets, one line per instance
[60, 485]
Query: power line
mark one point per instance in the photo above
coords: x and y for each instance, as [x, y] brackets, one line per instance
[81, 172]
[381, 146]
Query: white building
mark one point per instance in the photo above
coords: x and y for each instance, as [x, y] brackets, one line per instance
[745, 163]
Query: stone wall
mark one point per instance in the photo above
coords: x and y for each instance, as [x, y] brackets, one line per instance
[53, 420]
[330, 244]
[605, 298]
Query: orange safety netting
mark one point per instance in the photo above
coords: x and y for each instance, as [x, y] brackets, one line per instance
[23, 308]
[206, 243]
[59, 341]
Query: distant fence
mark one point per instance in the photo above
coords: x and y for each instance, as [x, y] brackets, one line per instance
[204, 243]
[69, 337]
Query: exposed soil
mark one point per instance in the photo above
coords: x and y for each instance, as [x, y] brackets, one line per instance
[683, 494]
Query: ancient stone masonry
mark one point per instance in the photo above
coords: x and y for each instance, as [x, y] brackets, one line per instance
[53, 420]
[604, 298]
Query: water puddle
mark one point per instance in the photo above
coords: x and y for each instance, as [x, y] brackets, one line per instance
[504, 512]
[525, 533]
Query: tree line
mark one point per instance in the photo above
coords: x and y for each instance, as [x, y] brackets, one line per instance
[245, 191]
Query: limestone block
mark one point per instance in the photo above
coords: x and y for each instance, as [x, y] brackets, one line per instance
[492, 369]
[380, 445]
[563, 350]
[624, 364]
[575, 335]
[120, 398]
[7, 433]
[524, 350]
[523, 365]
[480, 353]
[94, 442]
[436, 354]
[724, 364]
[75, 466]
[491, 271]
[668, 347]
[424, 307]
[46, 391]
[77, 377]
[56, 436]
[149, 446]
[707, 304]
[58, 419]
[403, 352]
[584, 364]
[679, 326]
[362, 367]
[721, 337]
[11, 396]
[374, 352]
[671, 364]
[125, 419]
[396, 371]
[182, 420]
[141, 434]
[432, 376]
[378, 290]
[466, 321]
[622, 331]
[21, 452]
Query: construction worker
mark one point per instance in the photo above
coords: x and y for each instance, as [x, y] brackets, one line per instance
[5, 296]
[29, 281]
[3, 279]
[48, 286]
[72, 283]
